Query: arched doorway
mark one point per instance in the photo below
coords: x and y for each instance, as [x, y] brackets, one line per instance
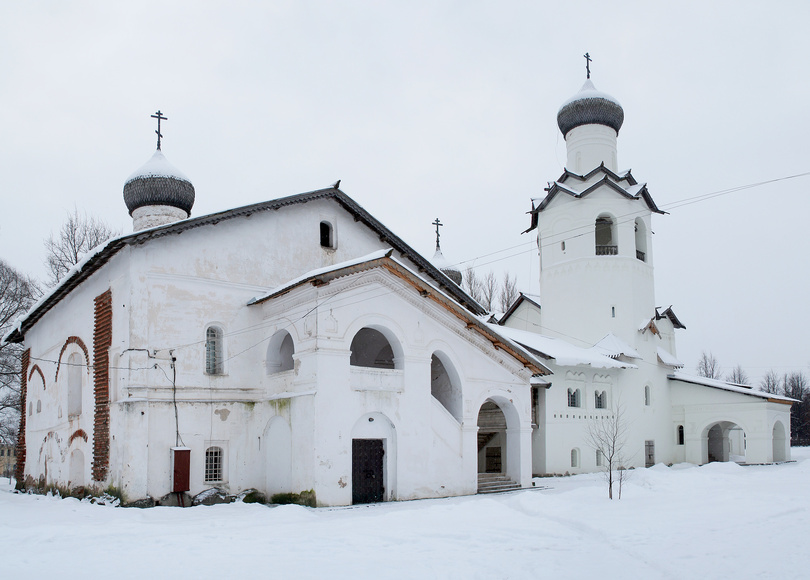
[499, 445]
[491, 439]
[779, 442]
[724, 441]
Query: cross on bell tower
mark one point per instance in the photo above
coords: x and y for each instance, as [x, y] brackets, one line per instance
[159, 116]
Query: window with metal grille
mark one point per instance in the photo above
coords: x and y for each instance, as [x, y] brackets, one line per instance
[575, 457]
[599, 460]
[649, 453]
[213, 464]
[573, 398]
[213, 350]
[647, 396]
[600, 400]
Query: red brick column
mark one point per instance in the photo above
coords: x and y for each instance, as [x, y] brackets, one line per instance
[102, 339]
[19, 472]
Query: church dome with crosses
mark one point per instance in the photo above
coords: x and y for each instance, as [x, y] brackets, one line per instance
[158, 193]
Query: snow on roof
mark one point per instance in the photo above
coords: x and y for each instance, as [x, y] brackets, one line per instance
[564, 353]
[614, 347]
[157, 166]
[666, 358]
[320, 271]
[589, 91]
[718, 384]
[491, 331]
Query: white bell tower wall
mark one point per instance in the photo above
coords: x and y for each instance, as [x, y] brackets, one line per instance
[590, 145]
[591, 285]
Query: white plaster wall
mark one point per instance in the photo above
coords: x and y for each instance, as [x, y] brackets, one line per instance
[589, 145]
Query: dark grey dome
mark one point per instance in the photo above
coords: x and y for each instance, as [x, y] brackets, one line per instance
[158, 182]
[590, 107]
[446, 267]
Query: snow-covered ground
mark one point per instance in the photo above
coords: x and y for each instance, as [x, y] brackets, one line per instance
[716, 521]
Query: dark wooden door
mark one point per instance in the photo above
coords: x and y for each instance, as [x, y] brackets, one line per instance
[367, 470]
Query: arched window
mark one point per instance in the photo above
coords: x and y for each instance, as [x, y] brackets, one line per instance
[599, 460]
[213, 350]
[74, 374]
[680, 434]
[600, 400]
[575, 457]
[327, 235]
[213, 465]
[641, 240]
[280, 353]
[444, 386]
[39, 406]
[606, 236]
[647, 396]
[573, 397]
[371, 349]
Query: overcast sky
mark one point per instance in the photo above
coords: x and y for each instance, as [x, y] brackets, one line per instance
[435, 109]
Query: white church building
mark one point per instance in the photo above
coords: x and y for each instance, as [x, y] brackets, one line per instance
[298, 345]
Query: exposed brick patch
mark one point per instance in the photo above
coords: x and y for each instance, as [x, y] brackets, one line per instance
[36, 369]
[102, 339]
[19, 472]
[77, 434]
[72, 340]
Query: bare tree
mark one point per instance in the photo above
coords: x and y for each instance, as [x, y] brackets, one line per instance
[607, 435]
[770, 383]
[509, 292]
[17, 292]
[489, 291]
[78, 235]
[472, 285]
[795, 386]
[738, 376]
[708, 366]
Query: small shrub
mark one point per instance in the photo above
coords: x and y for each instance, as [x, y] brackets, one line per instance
[305, 498]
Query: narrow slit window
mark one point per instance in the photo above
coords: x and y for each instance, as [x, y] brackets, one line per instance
[213, 350]
[327, 235]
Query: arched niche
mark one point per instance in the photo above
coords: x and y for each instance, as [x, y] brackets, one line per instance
[375, 347]
[277, 442]
[280, 353]
[499, 423]
[76, 469]
[445, 385]
[75, 389]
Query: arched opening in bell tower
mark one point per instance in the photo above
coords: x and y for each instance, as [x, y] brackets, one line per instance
[606, 239]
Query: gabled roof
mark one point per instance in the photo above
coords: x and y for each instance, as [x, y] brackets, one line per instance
[630, 190]
[723, 385]
[661, 312]
[532, 299]
[101, 255]
[384, 260]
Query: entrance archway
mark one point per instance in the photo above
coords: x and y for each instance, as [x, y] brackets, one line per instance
[724, 441]
[499, 440]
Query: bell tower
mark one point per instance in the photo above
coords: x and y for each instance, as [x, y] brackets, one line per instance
[593, 231]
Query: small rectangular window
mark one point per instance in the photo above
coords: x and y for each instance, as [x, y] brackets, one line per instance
[327, 238]
[213, 464]
[649, 453]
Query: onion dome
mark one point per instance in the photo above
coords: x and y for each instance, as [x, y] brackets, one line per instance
[590, 107]
[158, 183]
[446, 267]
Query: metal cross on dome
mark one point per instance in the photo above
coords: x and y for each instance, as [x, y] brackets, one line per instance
[159, 116]
[438, 224]
[588, 60]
